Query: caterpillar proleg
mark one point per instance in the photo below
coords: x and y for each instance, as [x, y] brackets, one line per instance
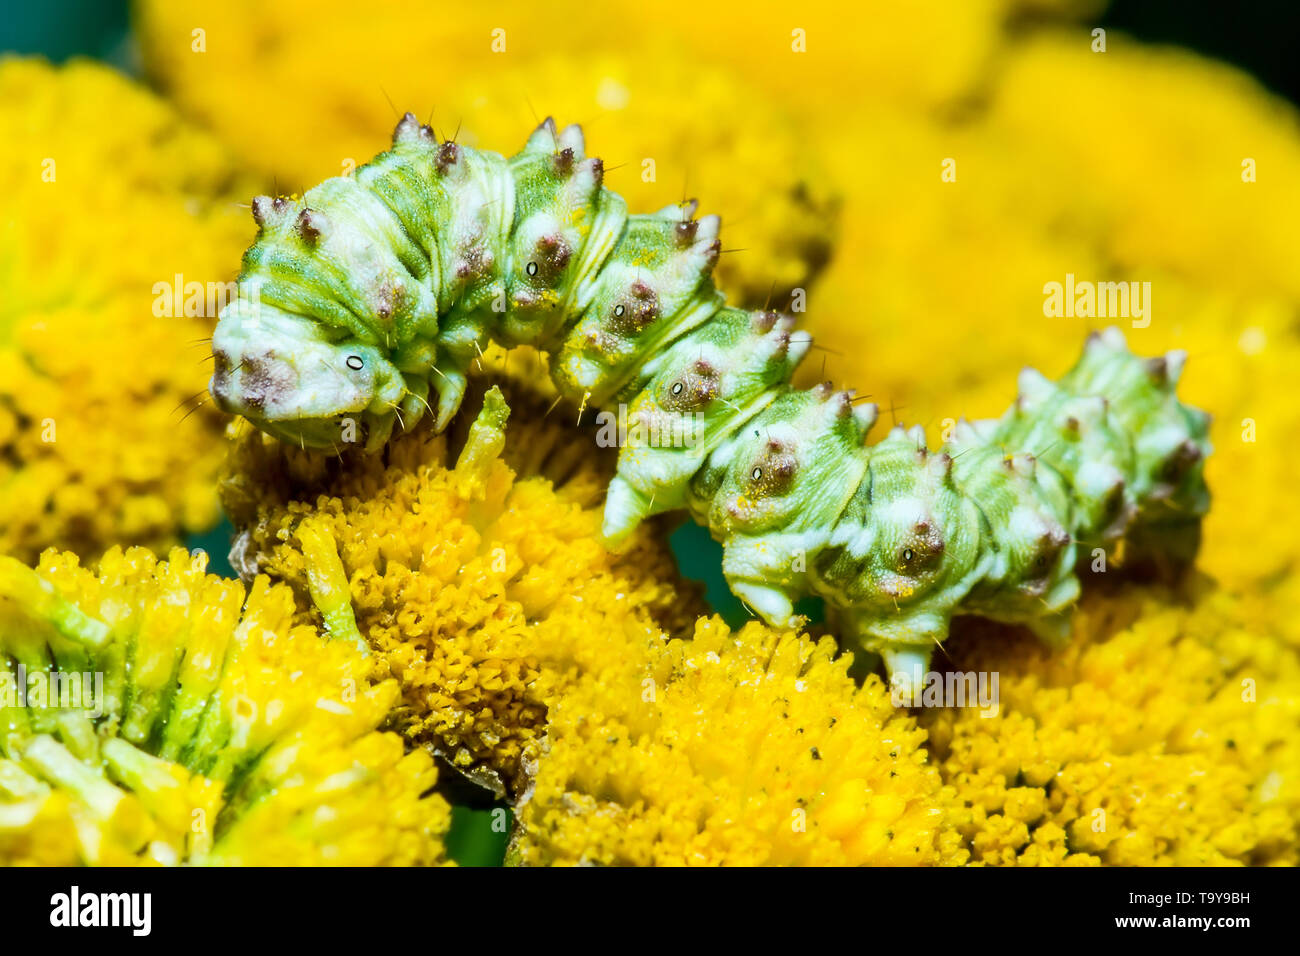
[366, 300]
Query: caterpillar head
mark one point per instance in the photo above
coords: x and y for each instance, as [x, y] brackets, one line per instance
[284, 374]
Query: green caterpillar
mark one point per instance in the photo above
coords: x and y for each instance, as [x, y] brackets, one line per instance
[359, 298]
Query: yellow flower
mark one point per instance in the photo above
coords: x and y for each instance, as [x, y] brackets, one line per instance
[1118, 166]
[746, 748]
[1149, 149]
[669, 124]
[154, 714]
[108, 200]
[1163, 734]
[467, 582]
[817, 58]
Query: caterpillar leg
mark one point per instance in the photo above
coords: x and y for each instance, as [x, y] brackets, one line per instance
[905, 641]
[906, 665]
[1053, 629]
[452, 383]
[772, 604]
[625, 509]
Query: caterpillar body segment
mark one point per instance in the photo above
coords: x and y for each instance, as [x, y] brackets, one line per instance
[899, 539]
[366, 300]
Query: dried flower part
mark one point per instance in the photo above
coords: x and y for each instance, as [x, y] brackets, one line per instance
[467, 582]
[1164, 735]
[120, 228]
[152, 713]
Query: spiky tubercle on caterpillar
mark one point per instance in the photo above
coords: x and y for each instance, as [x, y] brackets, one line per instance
[370, 291]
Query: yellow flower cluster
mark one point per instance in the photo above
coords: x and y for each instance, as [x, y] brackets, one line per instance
[746, 748]
[1164, 734]
[948, 168]
[107, 195]
[465, 581]
[151, 713]
[491, 601]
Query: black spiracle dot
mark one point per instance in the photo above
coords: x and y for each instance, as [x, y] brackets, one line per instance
[531, 268]
[677, 388]
[355, 363]
[619, 310]
[756, 474]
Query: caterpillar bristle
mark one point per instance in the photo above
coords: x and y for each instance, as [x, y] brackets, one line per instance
[269, 211]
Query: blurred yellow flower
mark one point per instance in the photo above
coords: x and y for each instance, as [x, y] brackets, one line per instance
[710, 100]
[154, 714]
[668, 123]
[1135, 165]
[1126, 165]
[109, 200]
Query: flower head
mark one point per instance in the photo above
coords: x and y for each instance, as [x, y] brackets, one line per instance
[152, 713]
